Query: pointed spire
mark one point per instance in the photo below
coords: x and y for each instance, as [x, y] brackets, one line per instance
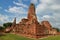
[14, 22]
[31, 12]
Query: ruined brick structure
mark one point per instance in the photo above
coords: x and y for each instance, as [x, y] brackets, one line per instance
[31, 27]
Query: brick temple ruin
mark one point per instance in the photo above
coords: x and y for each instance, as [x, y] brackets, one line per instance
[30, 27]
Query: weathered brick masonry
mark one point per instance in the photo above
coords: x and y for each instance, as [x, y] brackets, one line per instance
[31, 27]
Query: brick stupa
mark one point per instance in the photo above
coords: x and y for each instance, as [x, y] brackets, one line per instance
[30, 27]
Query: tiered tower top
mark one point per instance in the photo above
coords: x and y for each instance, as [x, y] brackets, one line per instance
[31, 13]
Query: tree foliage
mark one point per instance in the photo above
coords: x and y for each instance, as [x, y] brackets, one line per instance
[7, 24]
[58, 30]
[1, 28]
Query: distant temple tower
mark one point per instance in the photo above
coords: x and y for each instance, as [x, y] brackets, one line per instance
[31, 13]
[14, 22]
[14, 25]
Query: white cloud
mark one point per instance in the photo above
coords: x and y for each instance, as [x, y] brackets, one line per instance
[3, 18]
[49, 9]
[45, 1]
[34, 1]
[20, 4]
[48, 4]
[55, 7]
[46, 16]
[15, 9]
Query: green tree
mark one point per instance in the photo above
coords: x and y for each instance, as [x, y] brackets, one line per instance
[1, 28]
[7, 24]
[58, 30]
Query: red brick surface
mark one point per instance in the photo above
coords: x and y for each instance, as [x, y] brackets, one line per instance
[30, 27]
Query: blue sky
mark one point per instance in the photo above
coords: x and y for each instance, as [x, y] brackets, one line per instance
[45, 10]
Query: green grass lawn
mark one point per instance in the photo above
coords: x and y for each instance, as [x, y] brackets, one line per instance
[13, 37]
[52, 38]
[17, 37]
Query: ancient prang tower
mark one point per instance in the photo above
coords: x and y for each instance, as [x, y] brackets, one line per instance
[30, 27]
